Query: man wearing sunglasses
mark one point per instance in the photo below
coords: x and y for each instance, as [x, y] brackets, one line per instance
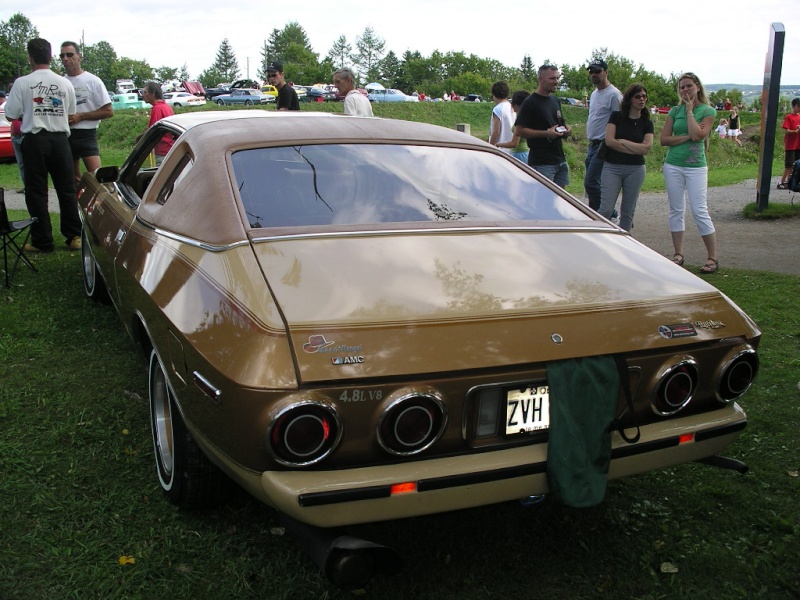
[94, 104]
[603, 101]
[287, 98]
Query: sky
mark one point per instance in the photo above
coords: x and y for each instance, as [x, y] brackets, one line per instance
[721, 43]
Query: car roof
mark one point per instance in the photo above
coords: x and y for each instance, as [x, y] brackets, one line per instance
[274, 128]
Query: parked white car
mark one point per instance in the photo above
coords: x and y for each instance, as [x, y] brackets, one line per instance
[390, 95]
[178, 99]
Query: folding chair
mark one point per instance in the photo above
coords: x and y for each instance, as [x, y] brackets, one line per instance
[9, 232]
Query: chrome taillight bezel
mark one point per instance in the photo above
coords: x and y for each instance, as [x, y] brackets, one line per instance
[411, 405]
[683, 372]
[744, 358]
[307, 412]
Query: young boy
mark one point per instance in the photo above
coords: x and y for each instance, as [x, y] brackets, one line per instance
[791, 142]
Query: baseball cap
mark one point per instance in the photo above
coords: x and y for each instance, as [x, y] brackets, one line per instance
[598, 63]
[275, 67]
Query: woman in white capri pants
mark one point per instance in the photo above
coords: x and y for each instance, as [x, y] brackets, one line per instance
[685, 132]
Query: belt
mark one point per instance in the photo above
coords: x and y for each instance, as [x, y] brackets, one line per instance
[595, 142]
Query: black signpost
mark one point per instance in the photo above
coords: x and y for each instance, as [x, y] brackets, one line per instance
[770, 95]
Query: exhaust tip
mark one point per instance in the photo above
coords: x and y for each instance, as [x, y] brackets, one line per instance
[353, 562]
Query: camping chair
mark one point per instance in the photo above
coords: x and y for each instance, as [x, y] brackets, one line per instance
[9, 232]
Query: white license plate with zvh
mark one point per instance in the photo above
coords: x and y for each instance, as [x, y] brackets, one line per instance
[528, 410]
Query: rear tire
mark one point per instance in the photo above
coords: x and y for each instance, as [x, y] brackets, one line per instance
[248, 103]
[93, 284]
[220, 102]
[186, 476]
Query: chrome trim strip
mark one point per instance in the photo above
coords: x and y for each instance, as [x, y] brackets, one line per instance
[476, 229]
[190, 241]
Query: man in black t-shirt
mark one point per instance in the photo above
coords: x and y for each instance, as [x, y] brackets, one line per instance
[287, 97]
[540, 121]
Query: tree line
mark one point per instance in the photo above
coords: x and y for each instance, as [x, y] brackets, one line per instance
[434, 75]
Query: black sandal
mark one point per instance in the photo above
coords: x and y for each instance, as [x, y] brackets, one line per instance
[783, 186]
[676, 260]
[711, 266]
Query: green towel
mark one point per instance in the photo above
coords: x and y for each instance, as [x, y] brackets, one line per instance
[583, 400]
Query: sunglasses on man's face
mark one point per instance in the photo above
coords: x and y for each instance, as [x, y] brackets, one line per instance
[67, 54]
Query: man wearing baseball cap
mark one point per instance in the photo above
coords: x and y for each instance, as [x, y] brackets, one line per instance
[604, 100]
[287, 97]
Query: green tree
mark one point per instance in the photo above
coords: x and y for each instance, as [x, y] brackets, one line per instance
[392, 72]
[14, 36]
[369, 51]
[211, 78]
[183, 74]
[300, 64]
[265, 60]
[138, 70]
[291, 47]
[101, 60]
[225, 63]
[527, 72]
[281, 41]
[163, 74]
[339, 54]
[722, 94]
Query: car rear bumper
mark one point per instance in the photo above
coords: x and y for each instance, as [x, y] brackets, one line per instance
[333, 498]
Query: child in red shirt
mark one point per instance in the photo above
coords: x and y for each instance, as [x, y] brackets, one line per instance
[791, 142]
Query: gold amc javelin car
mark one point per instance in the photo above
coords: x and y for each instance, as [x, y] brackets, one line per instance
[356, 319]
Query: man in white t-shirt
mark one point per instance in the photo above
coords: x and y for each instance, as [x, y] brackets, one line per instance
[604, 100]
[94, 104]
[355, 103]
[44, 101]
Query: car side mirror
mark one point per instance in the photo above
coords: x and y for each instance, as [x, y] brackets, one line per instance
[107, 174]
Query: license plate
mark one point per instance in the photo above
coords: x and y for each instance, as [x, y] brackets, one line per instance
[527, 410]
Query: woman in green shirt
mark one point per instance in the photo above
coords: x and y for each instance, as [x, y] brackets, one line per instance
[685, 133]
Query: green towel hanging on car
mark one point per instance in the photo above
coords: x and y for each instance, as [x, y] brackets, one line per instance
[583, 400]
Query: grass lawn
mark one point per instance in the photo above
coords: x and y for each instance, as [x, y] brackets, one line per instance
[83, 517]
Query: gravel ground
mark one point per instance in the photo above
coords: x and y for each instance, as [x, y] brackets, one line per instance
[743, 243]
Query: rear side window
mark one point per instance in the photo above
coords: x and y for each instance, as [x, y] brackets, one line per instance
[363, 184]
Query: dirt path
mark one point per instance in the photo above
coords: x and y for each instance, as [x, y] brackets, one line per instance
[743, 243]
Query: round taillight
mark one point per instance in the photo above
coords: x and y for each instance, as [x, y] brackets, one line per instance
[411, 424]
[675, 387]
[304, 433]
[737, 375]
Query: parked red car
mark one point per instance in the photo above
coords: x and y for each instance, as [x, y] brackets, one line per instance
[6, 148]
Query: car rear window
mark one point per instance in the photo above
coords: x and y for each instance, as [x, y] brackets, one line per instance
[362, 184]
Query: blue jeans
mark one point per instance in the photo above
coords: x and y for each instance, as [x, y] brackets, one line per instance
[16, 141]
[629, 179]
[523, 156]
[591, 182]
[558, 174]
